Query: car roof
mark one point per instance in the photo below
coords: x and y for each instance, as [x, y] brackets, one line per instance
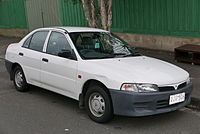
[74, 29]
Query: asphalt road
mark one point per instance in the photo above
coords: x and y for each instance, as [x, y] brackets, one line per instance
[43, 112]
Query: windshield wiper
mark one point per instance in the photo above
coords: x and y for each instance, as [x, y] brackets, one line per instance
[131, 55]
[118, 54]
[104, 57]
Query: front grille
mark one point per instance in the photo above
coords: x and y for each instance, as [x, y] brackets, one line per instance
[166, 88]
[171, 88]
[182, 85]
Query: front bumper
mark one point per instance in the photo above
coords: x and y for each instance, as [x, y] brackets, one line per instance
[9, 65]
[142, 104]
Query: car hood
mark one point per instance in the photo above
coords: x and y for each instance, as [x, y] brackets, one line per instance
[140, 69]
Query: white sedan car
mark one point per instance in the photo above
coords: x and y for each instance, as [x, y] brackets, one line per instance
[100, 70]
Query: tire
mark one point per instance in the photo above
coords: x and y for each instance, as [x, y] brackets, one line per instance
[19, 80]
[98, 104]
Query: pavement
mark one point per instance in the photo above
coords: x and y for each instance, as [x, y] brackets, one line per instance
[41, 111]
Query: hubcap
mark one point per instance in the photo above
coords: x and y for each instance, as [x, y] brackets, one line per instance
[18, 79]
[97, 104]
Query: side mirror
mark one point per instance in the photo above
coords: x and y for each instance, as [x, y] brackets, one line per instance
[65, 54]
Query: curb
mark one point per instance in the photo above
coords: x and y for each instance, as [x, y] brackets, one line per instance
[194, 104]
[2, 58]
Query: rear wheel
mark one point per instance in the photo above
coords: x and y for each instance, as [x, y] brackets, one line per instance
[98, 104]
[20, 80]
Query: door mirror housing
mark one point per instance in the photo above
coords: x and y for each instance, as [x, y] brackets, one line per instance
[65, 54]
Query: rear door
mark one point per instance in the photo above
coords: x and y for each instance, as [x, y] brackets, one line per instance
[57, 73]
[31, 56]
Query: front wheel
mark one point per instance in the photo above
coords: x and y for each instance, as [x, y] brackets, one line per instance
[98, 104]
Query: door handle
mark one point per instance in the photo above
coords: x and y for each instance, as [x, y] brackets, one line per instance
[45, 60]
[21, 54]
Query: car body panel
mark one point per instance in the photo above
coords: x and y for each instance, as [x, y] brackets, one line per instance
[67, 76]
[59, 74]
[139, 69]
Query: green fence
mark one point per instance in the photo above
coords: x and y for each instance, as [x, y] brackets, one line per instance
[163, 17]
[71, 13]
[12, 14]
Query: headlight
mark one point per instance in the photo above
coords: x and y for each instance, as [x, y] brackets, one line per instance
[188, 80]
[140, 87]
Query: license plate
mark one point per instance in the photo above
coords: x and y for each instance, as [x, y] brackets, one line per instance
[176, 98]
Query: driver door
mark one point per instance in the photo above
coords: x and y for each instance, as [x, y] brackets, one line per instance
[57, 73]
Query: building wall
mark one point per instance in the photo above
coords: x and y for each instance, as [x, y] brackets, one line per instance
[158, 42]
[12, 14]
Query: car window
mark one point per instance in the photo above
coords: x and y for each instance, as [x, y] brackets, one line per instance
[100, 45]
[38, 40]
[27, 42]
[57, 42]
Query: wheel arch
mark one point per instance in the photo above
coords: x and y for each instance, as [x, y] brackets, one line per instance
[85, 87]
[14, 65]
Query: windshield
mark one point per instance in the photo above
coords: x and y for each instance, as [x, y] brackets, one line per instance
[100, 45]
